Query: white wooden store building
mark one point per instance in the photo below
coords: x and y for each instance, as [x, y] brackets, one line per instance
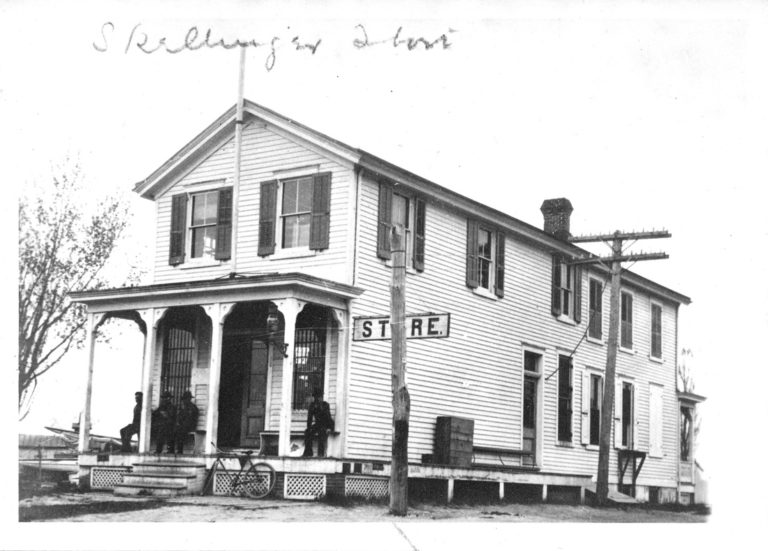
[302, 233]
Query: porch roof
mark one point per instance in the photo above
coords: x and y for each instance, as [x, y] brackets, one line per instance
[233, 289]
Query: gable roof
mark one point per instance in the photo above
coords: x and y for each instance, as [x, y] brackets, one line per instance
[223, 128]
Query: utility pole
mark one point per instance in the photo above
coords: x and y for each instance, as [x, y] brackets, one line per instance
[617, 240]
[401, 400]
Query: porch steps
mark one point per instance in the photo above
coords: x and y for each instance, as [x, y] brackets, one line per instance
[614, 496]
[163, 478]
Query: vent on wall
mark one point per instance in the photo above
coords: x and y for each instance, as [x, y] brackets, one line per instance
[368, 487]
[304, 486]
[106, 478]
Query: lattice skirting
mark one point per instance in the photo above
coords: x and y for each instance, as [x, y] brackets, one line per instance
[368, 487]
[225, 484]
[304, 486]
[107, 477]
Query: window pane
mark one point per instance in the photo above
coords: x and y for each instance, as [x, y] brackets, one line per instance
[289, 196]
[304, 199]
[296, 231]
[399, 210]
[205, 208]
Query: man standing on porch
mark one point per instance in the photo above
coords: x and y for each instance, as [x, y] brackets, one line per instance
[319, 422]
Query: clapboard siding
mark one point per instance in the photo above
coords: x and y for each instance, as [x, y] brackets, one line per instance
[264, 152]
[477, 371]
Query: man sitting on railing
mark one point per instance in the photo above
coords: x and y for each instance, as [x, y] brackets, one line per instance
[319, 422]
[127, 432]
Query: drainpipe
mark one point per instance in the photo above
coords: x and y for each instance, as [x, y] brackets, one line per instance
[238, 152]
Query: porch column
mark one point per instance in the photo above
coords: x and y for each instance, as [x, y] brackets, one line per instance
[289, 307]
[218, 313]
[151, 317]
[501, 491]
[92, 324]
[449, 495]
[342, 375]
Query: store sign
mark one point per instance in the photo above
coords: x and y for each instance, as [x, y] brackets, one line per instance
[417, 326]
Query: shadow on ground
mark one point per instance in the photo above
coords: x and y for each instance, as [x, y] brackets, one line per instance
[47, 512]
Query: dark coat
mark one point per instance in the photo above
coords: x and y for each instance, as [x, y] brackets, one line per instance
[320, 414]
[186, 417]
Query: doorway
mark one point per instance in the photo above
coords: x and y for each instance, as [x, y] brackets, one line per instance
[242, 391]
[531, 366]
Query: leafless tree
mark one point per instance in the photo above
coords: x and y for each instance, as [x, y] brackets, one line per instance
[65, 240]
[691, 420]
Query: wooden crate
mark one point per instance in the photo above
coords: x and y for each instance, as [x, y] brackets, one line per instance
[453, 441]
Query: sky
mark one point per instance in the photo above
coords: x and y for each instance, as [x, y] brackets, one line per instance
[644, 114]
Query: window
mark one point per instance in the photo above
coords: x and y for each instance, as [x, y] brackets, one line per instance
[398, 209]
[564, 398]
[485, 258]
[686, 432]
[626, 320]
[627, 415]
[302, 206]
[309, 355]
[205, 207]
[596, 309]
[201, 226]
[566, 289]
[655, 330]
[595, 407]
[296, 212]
[178, 356]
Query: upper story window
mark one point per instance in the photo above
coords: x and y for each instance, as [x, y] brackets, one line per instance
[626, 320]
[655, 330]
[485, 258]
[566, 289]
[302, 206]
[296, 212]
[407, 212]
[201, 226]
[205, 207]
[596, 309]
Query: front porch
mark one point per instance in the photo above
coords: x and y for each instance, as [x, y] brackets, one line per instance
[250, 351]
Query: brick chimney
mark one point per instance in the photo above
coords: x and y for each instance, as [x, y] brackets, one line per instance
[557, 217]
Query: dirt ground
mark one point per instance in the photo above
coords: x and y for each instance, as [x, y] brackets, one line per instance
[105, 507]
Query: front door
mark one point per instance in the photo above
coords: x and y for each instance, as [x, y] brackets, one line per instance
[529, 419]
[254, 395]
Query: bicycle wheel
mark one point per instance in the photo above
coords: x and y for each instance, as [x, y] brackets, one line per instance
[259, 480]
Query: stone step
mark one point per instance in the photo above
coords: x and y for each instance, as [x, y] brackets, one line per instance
[147, 467]
[149, 479]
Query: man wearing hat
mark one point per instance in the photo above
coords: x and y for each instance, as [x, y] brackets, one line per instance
[319, 422]
[164, 422]
[186, 420]
[127, 432]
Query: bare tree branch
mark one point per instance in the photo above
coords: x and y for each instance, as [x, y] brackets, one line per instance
[65, 242]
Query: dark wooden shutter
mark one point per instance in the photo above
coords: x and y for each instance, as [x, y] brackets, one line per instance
[178, 229]
[319, 227]
[267, 217]
[419, 235]
[224, 225]
[385, 220]
[498, 284]
[472, 230]
[577, 294]
[556, 307]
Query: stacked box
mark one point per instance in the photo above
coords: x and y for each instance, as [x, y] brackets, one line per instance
[453, 441]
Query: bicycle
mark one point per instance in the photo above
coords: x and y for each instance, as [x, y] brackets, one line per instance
[254, 480]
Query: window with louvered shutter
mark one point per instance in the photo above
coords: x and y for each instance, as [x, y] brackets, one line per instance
[224, 225]
[267, 217]
[419, 235]
[178, 229]
[385, 221]
[319, 231]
